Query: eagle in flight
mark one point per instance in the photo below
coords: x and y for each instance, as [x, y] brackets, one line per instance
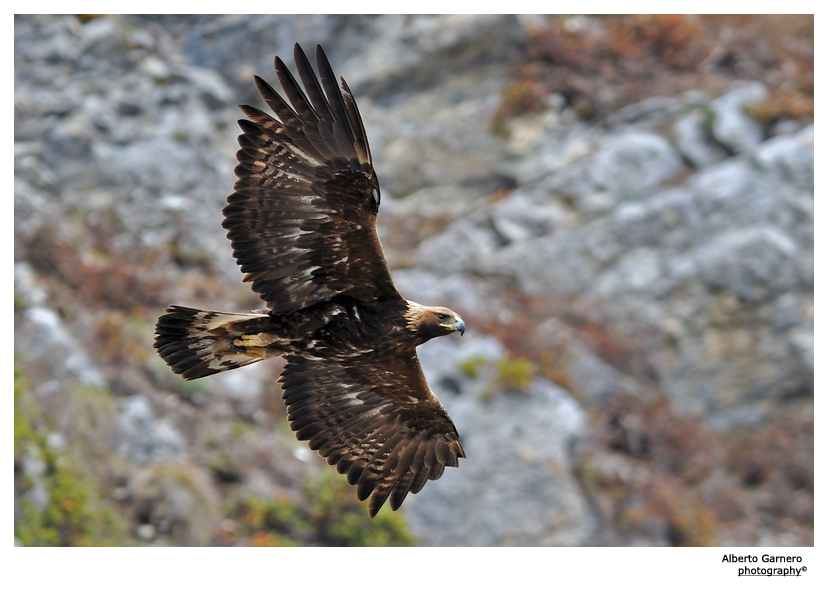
[302, 225]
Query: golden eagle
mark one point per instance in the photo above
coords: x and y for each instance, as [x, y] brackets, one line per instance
[302, 225]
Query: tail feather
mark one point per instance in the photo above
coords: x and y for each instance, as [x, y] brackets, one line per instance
[196, 343]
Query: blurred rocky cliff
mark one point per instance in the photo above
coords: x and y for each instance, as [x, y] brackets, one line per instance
[621, 209]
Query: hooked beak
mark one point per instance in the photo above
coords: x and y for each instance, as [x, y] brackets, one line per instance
[460, 326]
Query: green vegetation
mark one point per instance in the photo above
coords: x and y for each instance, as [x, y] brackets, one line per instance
[56, 504]
[19, 303]
[340, 517]
[329, 514]
[64, 478]
[509, 373]
[471, 366]
[515, 373]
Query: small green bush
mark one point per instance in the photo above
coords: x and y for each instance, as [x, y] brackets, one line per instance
[74, 514]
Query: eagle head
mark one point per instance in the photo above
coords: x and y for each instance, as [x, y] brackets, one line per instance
[431, 322]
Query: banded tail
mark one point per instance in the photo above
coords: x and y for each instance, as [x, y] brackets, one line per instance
[196, 343]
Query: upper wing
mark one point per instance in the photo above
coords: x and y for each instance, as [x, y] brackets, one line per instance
[375, 418]
[302, 220]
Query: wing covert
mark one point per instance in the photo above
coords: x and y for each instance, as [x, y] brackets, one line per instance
[375, 419]
[302, 219]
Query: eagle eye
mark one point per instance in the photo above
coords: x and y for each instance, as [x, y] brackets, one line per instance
[442, 316]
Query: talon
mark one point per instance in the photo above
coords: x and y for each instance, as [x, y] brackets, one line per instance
[254, 344]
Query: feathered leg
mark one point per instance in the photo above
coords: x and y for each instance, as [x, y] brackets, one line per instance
[196, 343]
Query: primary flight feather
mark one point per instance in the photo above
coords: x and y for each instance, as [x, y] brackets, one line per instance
[302, 225]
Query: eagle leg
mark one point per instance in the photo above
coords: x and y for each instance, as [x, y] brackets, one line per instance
[255, 344]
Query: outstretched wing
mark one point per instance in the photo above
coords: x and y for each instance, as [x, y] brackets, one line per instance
[375, 419]
[302, 220]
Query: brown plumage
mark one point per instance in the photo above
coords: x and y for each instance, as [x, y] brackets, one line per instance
[302, 225]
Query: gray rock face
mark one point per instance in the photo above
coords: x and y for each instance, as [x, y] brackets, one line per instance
[733, 232]
[46, 336]
[622, 168]
[677, 223]
[516, 487]
[694, 140]
[732, 126]
[144, 439]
